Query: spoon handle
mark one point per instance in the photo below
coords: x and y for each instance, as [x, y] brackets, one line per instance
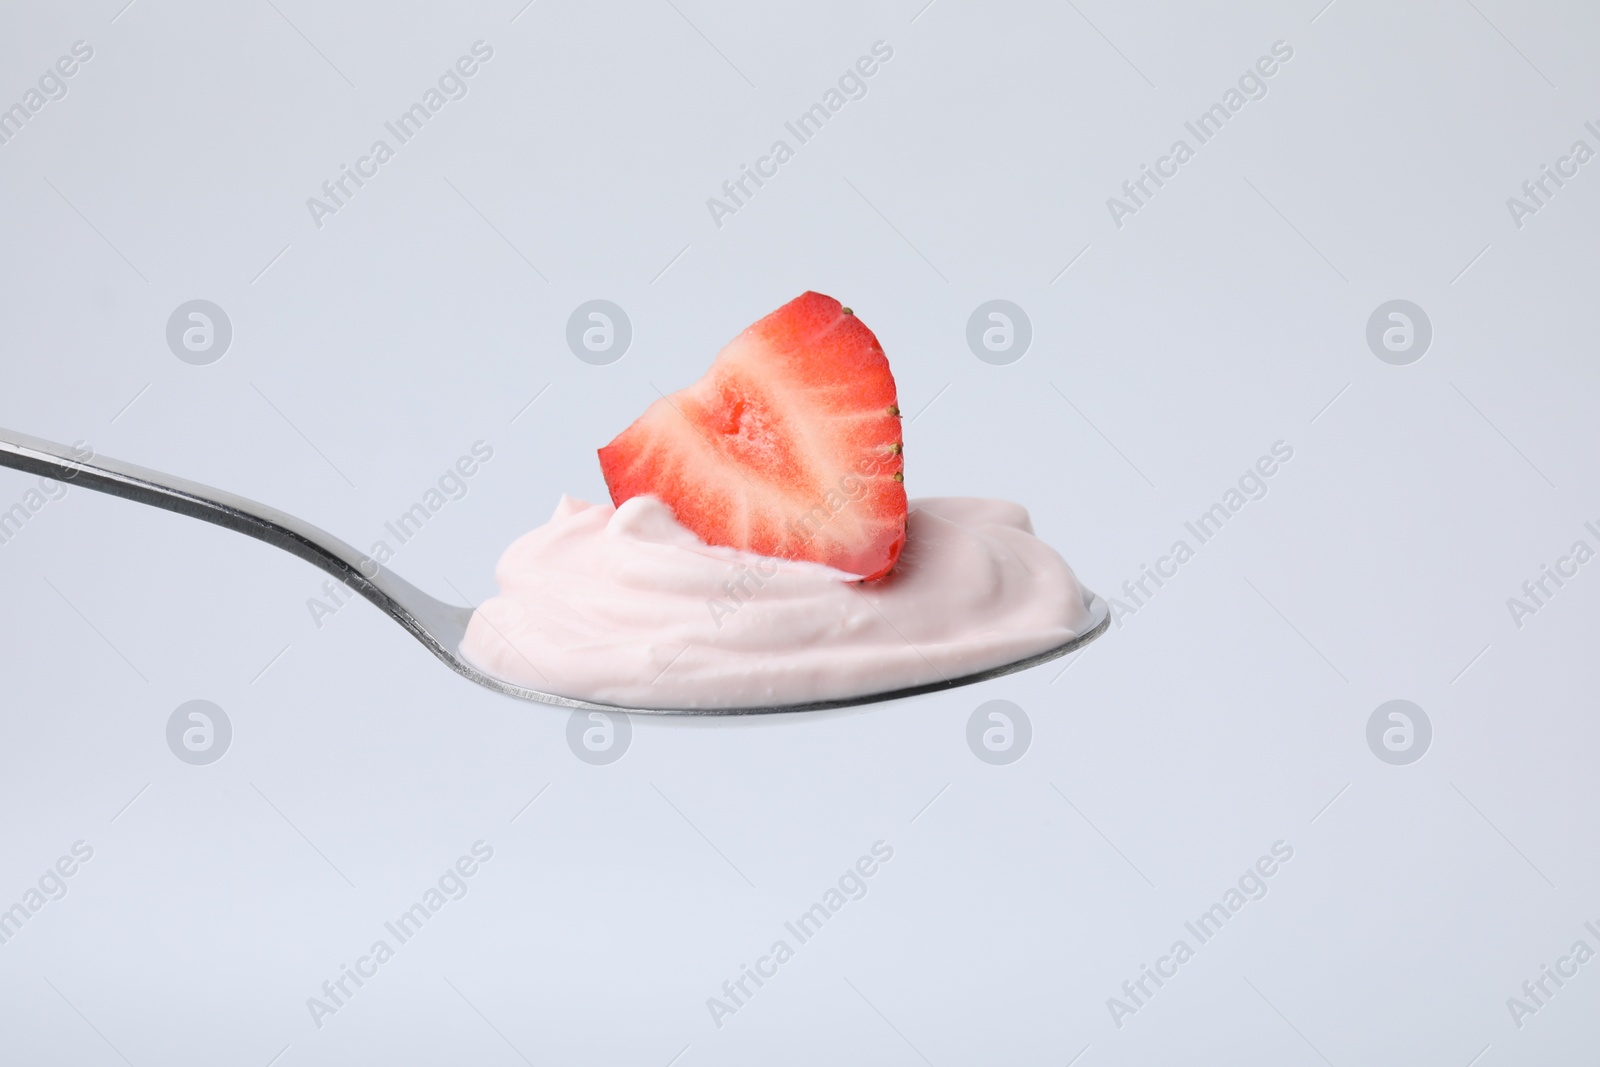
[436, 624]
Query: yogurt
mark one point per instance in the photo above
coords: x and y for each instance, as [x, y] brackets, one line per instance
[625, 606]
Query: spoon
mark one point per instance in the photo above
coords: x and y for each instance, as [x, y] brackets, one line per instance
[438, 625]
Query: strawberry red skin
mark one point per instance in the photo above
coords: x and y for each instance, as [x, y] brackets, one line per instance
[789, 446]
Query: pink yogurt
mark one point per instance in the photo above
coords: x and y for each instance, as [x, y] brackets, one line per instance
[625, 606]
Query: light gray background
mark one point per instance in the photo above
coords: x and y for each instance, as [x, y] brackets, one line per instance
[1225, 715]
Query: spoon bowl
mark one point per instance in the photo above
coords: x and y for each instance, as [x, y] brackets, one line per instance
[439, 625]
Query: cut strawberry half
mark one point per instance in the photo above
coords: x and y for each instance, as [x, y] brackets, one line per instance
[788, 447]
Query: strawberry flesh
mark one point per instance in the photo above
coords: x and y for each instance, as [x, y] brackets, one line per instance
[788, 447]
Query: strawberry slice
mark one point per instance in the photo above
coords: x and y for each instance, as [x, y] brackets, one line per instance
[788, 447]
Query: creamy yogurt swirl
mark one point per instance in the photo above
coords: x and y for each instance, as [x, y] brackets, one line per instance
[625, 606]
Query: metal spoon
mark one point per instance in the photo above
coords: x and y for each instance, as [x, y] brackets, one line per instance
[438, 625]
